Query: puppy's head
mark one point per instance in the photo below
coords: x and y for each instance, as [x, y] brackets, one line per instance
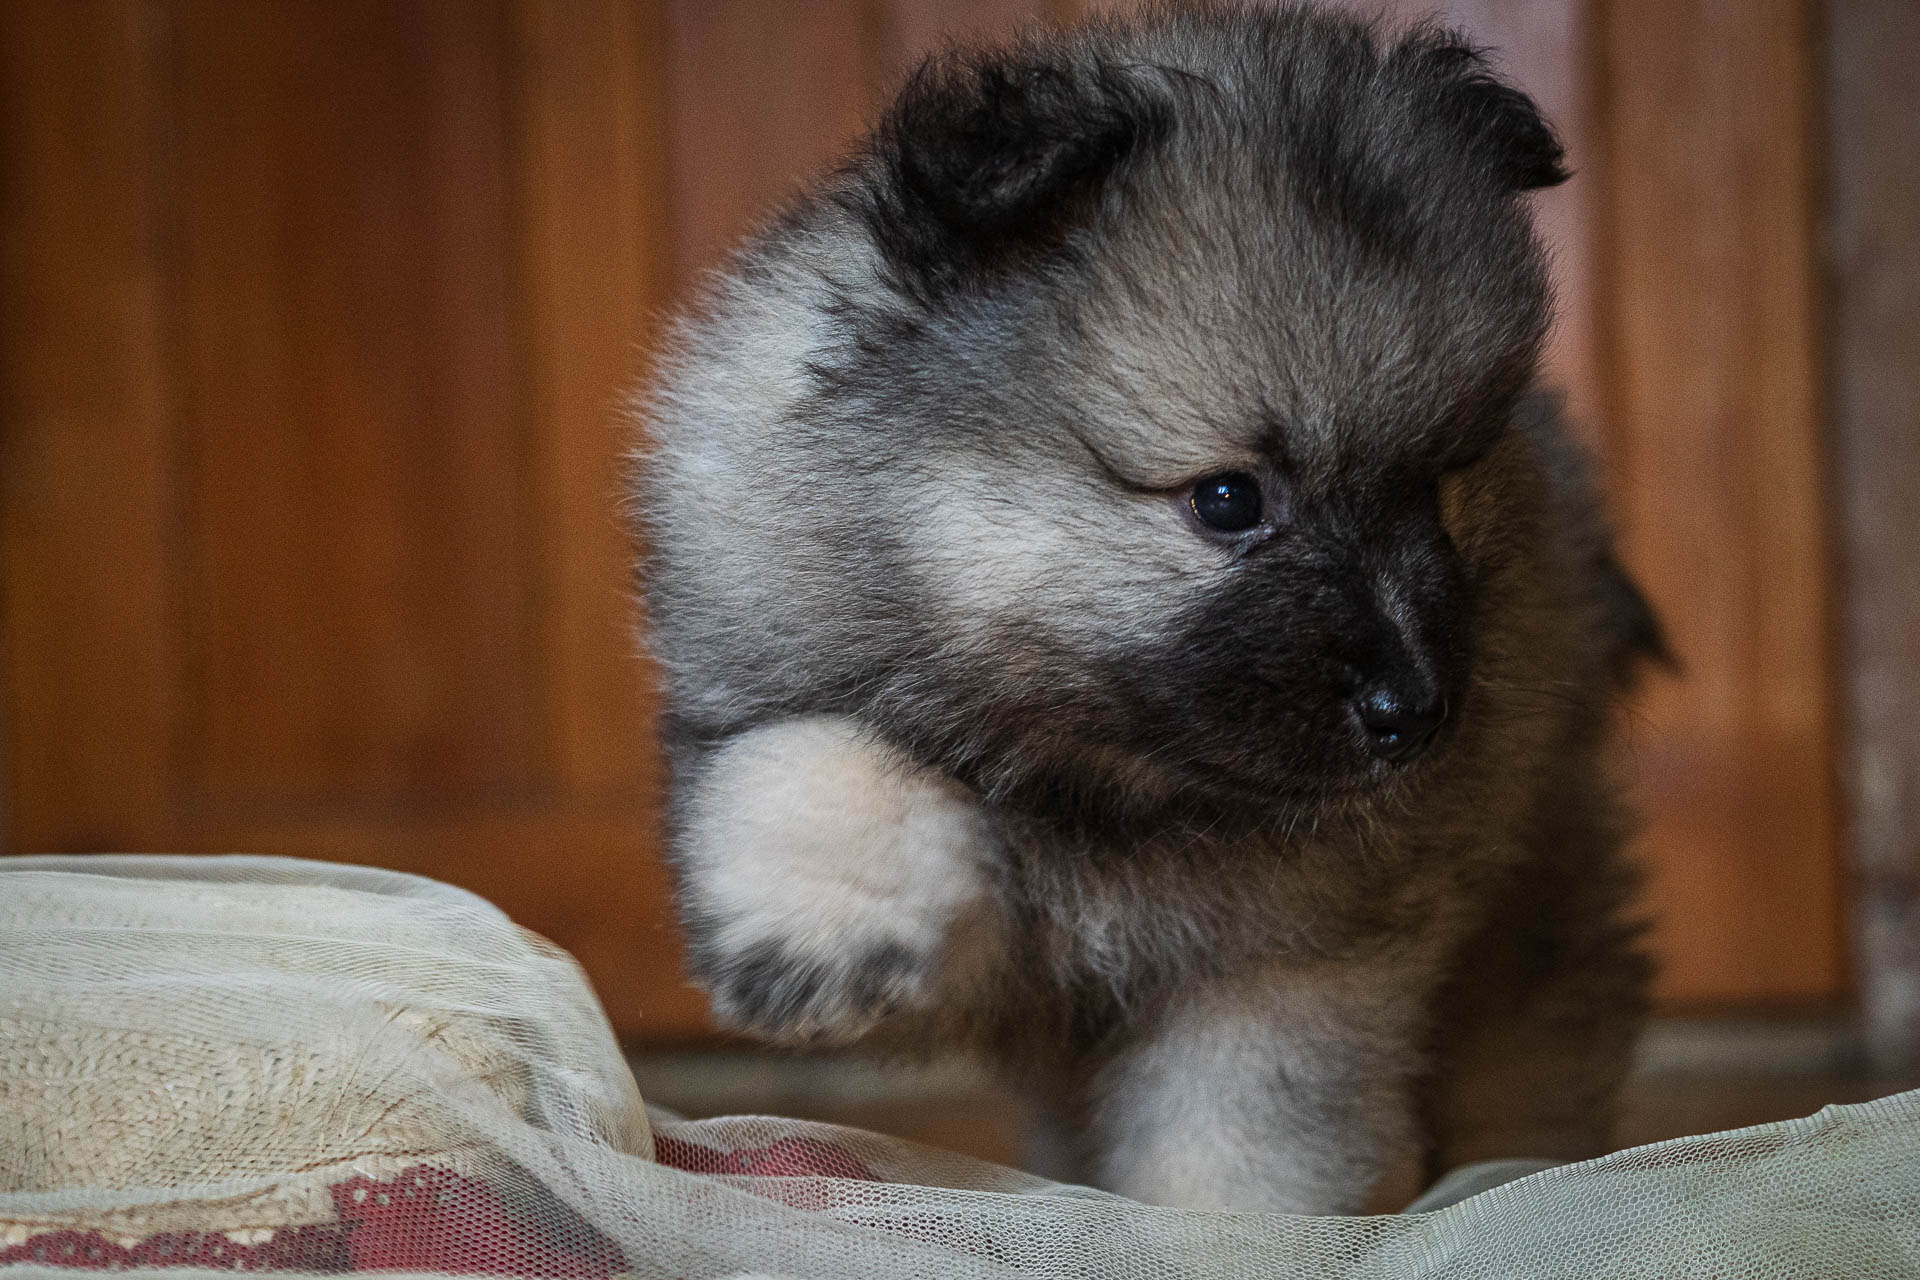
[1158, 399]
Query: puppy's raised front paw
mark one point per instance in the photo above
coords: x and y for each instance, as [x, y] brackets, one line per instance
[822, 875]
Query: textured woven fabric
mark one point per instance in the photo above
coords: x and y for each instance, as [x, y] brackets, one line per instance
[210, 1065]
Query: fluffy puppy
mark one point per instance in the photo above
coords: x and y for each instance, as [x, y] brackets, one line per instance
[1125, 610]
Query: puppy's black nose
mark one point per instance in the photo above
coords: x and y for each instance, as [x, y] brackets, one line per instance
[1398, 726]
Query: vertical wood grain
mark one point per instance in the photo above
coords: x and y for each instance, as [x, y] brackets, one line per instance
[314, 319]
[361, 589]
[88, 575]
[594, 250]
[1711, 162]
[761, 99]
[1873, 244]
[595, 258]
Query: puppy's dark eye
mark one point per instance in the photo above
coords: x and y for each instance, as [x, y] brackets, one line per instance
[1228, 502]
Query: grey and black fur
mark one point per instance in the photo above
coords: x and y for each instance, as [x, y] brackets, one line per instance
[1262, 859]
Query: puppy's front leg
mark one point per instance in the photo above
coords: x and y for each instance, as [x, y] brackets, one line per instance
[821, 875]
[1289, 1091]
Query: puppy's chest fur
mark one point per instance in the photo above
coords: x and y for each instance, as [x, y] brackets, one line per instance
[1086, 933]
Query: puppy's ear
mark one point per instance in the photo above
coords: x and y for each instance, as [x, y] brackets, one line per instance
[987, 158]
[1499, 122]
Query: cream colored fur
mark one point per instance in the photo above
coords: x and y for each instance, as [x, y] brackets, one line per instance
[810, 836]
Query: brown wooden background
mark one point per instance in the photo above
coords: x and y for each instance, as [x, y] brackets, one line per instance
[315, 323]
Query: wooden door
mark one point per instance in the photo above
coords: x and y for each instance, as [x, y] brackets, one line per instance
[317, 322]
[315, 325]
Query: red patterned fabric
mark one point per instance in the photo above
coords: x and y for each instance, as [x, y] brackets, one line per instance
[315, 1248]
[426, 1219]
[433, 1219]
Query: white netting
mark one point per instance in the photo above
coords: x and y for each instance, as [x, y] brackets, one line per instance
[264, 1064]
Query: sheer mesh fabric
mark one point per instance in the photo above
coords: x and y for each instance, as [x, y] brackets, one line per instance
[258, 1064]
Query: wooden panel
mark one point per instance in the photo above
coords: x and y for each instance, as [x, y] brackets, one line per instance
[87, 576]
[1718, 452]
[593, 183]
[314, 321]
[1873, 240]
[401, 273]
[593, 186]
[758, 104]
[360, 589]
